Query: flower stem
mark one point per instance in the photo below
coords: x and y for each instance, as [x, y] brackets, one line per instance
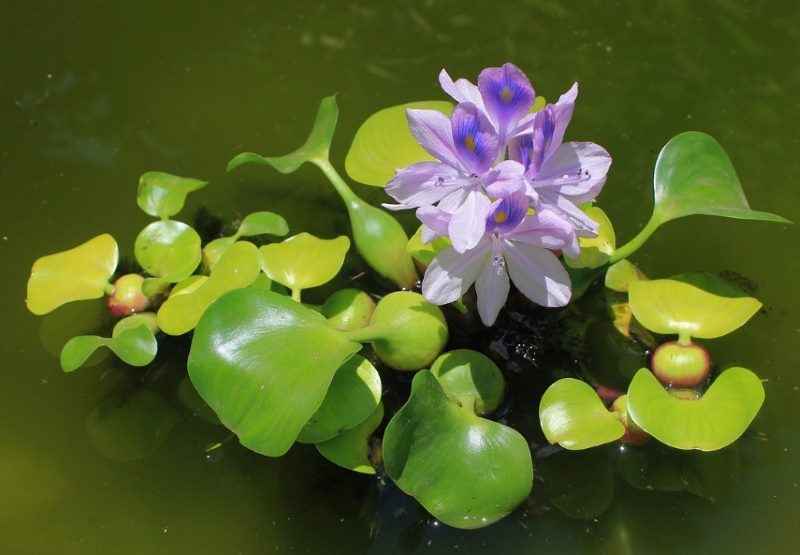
[296, 295]
[634, 244]
[345, 192]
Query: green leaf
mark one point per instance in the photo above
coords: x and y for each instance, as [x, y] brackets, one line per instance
[694, 176]
[425, 253]
[348, 309]
[72, 275]
[350, 449]
[136, 346]
[131, 427]
[264, 363]
[384, 143]
[470, 379]
[691, 305]
[352, 396]
[168, 249]
[595, 251]
[148, 319]
[263, 223]
[162, 195]
[573, 415]
[238, 267]
[316, 146]
[304, 261]
[465, 470]
[711, 422]
[619, 276]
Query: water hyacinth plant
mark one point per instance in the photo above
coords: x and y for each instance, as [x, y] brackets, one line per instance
[286, 350]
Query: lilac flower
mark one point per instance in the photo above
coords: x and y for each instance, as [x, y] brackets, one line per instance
[466, 146]
[561, 175]
[515, 244]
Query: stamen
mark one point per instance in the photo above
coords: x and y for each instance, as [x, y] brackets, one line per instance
[506, 95]
[500, 217]
[469, 142]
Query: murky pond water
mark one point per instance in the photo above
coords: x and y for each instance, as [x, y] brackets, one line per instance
[92, 94]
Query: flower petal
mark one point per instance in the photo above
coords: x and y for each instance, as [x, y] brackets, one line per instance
[563, 115]
[461, 91]
[474, 138]
[538, 274]
[504, 179]
[546, 229]
[504, 216]
[450, 274]
[584, 226]
[424, 183]
[492, 288]
[434, 219]
[468, 224]
[577, 170]
[507, 94]
[433, 132]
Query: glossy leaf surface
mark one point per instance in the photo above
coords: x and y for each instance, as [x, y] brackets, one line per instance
[471, 379]
[315, 148]
[695, 305]
[238, 267]
[303, 261]
[76, 274]
[465, 470]
[162, 195]
[168, 249]
[384, 143]
[353, 395]
[711, 422]
[350, 449]
[264, 363]
[573, 415]
[136, 346]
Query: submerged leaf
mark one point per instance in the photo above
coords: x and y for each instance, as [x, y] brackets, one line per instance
[465, 470]
[384, 143]
[350, 449]
[315, 148]
[264, 363]
[573, 415]
[691, 305]
[72, 275]
[711, 422]
[162, 195]
[168, 249]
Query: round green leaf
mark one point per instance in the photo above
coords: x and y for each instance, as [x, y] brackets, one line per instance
[238, 267]
[573, 415]
[619, 276]
[260, 223]
[148, 319]
[72, 275]
[384, 143]
[350, 449]
[465, 470]
[132, 427]
[709, 423]
[470, 379]
[691, 305]
[348, 309]
[352, 396]
[136, 346]
[595, 251]
[694, 176]
[303, 261]
[162, 195]
[168, 249]
[264, 363]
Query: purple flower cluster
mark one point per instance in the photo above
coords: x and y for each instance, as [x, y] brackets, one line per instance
[504, 188]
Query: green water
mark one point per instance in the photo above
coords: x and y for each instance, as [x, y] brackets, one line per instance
[93, 94]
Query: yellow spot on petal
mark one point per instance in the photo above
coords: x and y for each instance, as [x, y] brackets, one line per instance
[469, 142]
[500, 217]
[506, 95]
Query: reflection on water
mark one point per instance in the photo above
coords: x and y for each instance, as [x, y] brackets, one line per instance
[94, 94]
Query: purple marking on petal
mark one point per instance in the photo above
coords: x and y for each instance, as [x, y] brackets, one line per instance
[424, 183]
[461, 91]
[538, 274]
[507, 94]
[504, 179]
[563, 114]
[433, 132]
[468, 224]
[450, 274]
[506, 215]
[491, 287]
[474, 138]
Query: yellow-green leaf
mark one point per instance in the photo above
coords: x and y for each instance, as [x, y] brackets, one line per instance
[304, 261]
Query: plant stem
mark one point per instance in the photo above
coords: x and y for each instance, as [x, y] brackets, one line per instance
[369, 333]
[348, 196]
[296, 295]
[634, 244]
